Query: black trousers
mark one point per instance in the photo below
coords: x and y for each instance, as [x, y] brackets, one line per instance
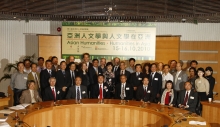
[17, 94]
[202, 96]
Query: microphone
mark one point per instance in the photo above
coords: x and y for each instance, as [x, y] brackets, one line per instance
[25, 112]
[179, 120]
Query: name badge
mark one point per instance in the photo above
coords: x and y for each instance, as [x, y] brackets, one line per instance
[155, 78]
[127, 88]
[179, 78]
[106, 90]
[83, 92]
[191, 97]
[25, 78]
[99, 73]
[58, 92]
[139, 78]
[148, 91]
[110, 80]
[105, 87]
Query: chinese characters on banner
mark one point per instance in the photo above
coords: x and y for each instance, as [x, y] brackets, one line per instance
[109, 40]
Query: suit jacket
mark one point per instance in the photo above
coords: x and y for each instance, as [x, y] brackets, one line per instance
[103, 69]
[135, 80]
[26, 97]
[118, 74]
[71, 81]
[105, 89]
[93, 77]
[68, 67]
[55, 68]
[128, 91]
[63, 80]
[84, 77]
[31, 77]
[140, 94]
[192, 99]
[182, 78]
[48, 95]
[156, 83]
[72, 92]
[44, 78]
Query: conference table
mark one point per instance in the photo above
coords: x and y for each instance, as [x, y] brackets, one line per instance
[211, 112]
[113, 113]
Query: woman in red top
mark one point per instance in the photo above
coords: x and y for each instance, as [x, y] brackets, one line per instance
[169, 95]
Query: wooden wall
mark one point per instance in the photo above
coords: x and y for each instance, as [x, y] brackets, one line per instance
[49, 46]
[207, 53]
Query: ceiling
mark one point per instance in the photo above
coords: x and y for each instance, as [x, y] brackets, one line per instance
[112, 10]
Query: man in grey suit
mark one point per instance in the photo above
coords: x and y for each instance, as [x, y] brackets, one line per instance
[179, 77]
[30, 95]
[77, 91]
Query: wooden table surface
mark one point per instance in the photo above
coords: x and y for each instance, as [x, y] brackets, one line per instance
[129, 114]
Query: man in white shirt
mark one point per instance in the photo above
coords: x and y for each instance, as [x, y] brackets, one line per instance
[166, 75]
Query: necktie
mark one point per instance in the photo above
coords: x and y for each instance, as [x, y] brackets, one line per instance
[50, 73]
[36, 79]
[123, 92]
[73, 77]
[145, 91]
[186, 99]
[115, 68]
[54, 95]
[100, 92]
[176, 78]
[78, 94]
[63, 73]
[96, 70]
[152, 75]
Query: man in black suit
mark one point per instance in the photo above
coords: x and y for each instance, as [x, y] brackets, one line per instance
[187, 98]
[124, 90]
[77, 91]
[86, 58]
[116, 64]
[155, 83]
[121, 71]
[72, 74]
[144, 92]
[52, 93]
[46, 74]
[100, 89]
[94, 71]
[62, 79]
[136, 79]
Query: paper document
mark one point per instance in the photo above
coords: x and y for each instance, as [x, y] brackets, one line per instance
[6, 111]
[4, 124]
[197, 123]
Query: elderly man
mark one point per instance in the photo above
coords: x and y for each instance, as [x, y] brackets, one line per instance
[187, 98]
[52, 93]
[77, 91]
[31, 95]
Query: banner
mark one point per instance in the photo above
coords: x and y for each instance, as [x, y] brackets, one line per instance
[109, 40]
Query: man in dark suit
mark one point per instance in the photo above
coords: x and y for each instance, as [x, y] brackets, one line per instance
[55, 66]
[77, 91]
[86, 58]
[46, 74]
[94, 71]
[124, 90]
[116, 64]
[144, 92]
[155, 83]
[52, 93]
[121, 71]
[187, 98]
[100, 89]
[62, 79]
[136, 79]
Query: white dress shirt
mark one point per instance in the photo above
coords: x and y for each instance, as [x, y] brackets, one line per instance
[165, 78]
[79, 92]
[32, 96]
[102, 89]
[53, 88]
[123, 85]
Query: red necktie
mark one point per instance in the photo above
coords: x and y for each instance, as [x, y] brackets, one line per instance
[100, 92]
[186, 99]
[54, 95]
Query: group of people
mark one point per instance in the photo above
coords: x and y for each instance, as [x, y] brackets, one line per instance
[165, 84]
